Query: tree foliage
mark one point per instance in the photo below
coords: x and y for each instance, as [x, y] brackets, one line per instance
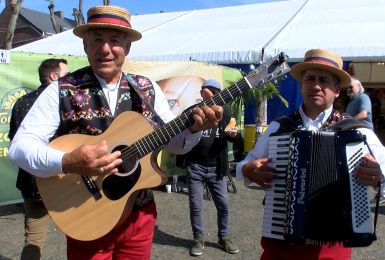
[258, 96]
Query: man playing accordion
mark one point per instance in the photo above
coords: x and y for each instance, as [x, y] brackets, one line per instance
[321, 78]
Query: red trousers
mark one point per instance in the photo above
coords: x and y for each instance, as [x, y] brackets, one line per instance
[131, 240]
[278, 250]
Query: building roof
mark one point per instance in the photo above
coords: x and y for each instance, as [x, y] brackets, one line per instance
[43, 22]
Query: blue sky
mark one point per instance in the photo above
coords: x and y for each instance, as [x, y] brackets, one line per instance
[135, 6]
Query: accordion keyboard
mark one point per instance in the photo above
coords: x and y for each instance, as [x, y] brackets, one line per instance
[274, 209]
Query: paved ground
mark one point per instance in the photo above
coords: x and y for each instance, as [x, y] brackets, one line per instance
[173, 232]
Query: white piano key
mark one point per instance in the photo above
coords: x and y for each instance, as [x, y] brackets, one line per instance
[269, 222]
[270, 229]
[273, 211]
[279, 197]
[280, 237]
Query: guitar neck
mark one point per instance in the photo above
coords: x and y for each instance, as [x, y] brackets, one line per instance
[264, 73]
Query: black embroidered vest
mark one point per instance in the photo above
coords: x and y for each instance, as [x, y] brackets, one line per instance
[84, 108]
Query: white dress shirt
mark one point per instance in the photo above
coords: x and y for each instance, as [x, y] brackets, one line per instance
[260, 149]
[29, 151]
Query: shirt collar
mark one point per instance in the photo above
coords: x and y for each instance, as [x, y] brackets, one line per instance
[104, 84]
[315, 124]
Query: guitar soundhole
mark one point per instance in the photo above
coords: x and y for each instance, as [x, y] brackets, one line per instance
[128, 163]
[116, 186]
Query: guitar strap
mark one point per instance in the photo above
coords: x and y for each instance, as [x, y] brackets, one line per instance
[159, 121]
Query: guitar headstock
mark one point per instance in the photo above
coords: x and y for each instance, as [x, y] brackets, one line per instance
[268, 71]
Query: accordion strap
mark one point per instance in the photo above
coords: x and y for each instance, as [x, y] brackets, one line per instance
[376, 210]
[377, 201]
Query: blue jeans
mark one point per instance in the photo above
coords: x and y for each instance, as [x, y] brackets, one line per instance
[196, 175]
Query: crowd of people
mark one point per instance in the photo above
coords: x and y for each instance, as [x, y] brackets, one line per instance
[87, 101]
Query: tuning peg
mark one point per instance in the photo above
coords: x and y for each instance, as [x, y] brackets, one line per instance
[282, 57]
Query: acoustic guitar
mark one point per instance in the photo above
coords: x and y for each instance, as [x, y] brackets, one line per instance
[86, 208]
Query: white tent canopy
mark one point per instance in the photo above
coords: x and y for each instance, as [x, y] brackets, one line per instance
[354, 29]
[249, 33]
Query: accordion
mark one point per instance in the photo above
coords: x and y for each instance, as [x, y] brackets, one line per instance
[316, 198]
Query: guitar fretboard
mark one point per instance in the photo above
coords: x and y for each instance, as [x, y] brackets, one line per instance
[264, 73]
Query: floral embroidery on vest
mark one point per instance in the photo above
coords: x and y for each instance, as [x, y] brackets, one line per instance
[147, 89]
[84, 107]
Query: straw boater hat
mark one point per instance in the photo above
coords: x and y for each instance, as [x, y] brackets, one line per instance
[112, 17]
[324, 60]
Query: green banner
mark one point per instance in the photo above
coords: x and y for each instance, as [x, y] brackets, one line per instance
[16, 79]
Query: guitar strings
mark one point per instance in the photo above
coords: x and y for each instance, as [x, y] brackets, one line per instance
[130, 152]
[140, 147]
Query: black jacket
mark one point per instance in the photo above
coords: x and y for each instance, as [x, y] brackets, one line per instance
[220, 144]
[25, 182]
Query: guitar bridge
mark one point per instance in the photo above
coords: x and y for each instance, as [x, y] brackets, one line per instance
[92, 188]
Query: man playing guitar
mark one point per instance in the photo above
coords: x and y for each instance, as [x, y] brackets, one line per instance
[87, 102]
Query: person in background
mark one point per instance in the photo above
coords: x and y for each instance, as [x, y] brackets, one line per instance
[36, 218]
[181, 92]
[360, 106]
[207, 163]
[321, 77]
[376, 110]
[87, 101]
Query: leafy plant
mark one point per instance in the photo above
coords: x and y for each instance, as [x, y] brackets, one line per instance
[258, 96]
